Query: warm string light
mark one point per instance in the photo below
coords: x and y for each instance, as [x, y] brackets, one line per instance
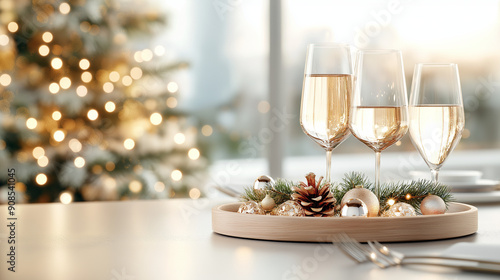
[4, 40]
[56, 63]
[108, 87]
[75, 145]
[54, 88]
[81, 91]
[66, 197]
[179, 138]
[84, 64]
[64, 8]
[127, 81]
[159, 186]
[176, 175]
[65, 82]
[172, 87]
[13, 26]
[43, 161]
[43, 50]
[5, 79]
[31, 123]
[194, 154]
[38, 152]
[92, 114]
[194, 193]
[156, 118]
[129, 144]
[47, 37]
[206, 130]
[110, 106]
[59, 135]
[135, 186]
[79, 162]
[41, 179]
[56, 115]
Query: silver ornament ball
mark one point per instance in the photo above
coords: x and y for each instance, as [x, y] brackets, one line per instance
[263, 181]
[354, 208]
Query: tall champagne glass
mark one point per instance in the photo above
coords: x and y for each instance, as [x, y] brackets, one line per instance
[379, 113]
[436, 113]
[326, 93]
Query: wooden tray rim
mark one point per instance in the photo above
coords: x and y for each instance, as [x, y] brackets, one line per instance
[455, 211]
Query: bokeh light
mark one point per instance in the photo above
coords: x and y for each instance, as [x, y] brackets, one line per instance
[56, 115]
[59, 135]
[108, 87]
[194, 153]
[135, 186]
[110, 106]
[38, 152]
[66, 197]
[75, 145]
[56, 63]
[65, 82]
[5, 79]
[92, 114]
[54, 88]
[207, 130]
[172, 87]
[43, 161]
[129, 144]
[194, 193]
[13, 26]
[81, 91]
[43, 50]
[176, 175]
[64, 8]
[47, 37]
[31, 123]
[79, 162]
[84, 64]
[156, 118]
[41, 179]
[179, 138]
[159, 186]
[136, 73]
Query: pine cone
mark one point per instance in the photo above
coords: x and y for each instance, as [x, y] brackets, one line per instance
[317, 201]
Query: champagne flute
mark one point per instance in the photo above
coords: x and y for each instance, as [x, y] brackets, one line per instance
[436, 113]
[326, 93]
[379, 112]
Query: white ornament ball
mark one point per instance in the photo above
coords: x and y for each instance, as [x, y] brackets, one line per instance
[432, 205]
[268, 203]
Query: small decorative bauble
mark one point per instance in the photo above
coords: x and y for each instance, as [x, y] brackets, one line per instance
[268, 203]
[289, 208]
[365, 195]
[400, 209]
[262, 182]
[251, 207]
[432, 205]
[354, 208]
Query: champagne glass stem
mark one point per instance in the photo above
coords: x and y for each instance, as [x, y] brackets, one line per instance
[328, 164]
[435, 174]
[377, 174]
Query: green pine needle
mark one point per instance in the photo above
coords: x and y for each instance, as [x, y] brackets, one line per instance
[281, 192]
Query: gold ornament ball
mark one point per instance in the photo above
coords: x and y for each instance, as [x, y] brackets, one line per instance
[251, 207]
[400, 209]
[267, 203]
[432, 205]
[365, 195]
[289, 208]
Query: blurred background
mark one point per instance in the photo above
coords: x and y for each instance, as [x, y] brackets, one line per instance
[129, 99]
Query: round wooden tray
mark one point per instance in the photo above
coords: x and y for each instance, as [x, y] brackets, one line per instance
[459, 220]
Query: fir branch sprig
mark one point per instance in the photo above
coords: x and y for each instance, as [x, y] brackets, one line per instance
[412, 193]
[280, 192]
[350, 181]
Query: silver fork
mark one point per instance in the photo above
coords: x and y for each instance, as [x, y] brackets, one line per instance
[398, 257]
[360, 254]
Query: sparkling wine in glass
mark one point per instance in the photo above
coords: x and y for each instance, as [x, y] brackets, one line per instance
[436, 113]
[326, 93]
[379, 112]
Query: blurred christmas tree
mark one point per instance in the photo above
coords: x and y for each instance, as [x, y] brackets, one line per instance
[82, 115]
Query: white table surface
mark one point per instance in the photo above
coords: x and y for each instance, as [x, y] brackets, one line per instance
[173, 239]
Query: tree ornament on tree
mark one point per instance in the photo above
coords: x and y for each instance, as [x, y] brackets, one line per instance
[316, 199]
